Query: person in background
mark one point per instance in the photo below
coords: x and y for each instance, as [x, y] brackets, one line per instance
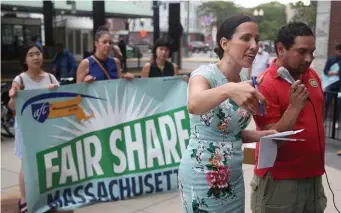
[220, 100]
[333, 68]
[123, 47]
[100, 66]
[116, 52]
[260, 63]
[33, 78]
[64, 64]
[294, 183]
[37, 42]
[160, 66]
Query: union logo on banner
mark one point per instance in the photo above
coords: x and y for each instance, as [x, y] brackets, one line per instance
[71, 107]
[40, 111]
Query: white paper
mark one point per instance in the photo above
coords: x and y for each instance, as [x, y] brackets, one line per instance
[267, 153]
[268, 147]
[283, 134]
[249, 145]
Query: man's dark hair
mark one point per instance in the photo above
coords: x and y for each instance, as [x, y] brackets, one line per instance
[338, 47]
[288, 33]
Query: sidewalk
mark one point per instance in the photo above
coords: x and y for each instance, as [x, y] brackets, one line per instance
[170, 202]
[166, 202]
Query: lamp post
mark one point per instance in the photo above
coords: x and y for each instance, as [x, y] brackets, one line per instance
[156, 20]
[258, 14]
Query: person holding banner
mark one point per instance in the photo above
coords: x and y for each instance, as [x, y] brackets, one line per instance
[160, 66]
[33, 78]
[100, 66]
[220, 100]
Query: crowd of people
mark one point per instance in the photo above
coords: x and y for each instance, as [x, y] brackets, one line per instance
[221, 103]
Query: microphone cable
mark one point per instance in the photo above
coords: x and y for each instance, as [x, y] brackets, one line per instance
[321, 155]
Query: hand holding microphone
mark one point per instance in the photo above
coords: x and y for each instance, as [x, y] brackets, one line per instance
[298, 95]
[298, 92]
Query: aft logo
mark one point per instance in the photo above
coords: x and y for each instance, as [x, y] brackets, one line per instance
[48, 110]
[40, 111]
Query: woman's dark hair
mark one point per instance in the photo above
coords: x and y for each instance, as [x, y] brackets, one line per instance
[161, 42]
[288, 33]
[101, 31]
[227, 28]
[24, 54]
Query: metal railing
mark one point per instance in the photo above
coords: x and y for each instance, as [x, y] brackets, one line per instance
[332, 119]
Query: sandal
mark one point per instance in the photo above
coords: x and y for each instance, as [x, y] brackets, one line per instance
[22, 206]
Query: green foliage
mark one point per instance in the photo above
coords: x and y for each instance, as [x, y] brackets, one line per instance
[306, 14]
[219, 10]
[274, 15]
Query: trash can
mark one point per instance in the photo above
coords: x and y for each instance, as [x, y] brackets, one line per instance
[130, 52]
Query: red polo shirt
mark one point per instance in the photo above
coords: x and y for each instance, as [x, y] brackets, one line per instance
[294, 159]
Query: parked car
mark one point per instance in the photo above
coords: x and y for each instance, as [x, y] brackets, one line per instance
[198, 46]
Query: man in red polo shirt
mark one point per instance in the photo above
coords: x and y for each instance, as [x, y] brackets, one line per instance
[294, 183]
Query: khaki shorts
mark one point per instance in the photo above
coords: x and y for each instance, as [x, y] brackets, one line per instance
[287, 196]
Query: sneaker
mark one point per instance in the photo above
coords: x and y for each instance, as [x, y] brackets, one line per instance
[339, 152]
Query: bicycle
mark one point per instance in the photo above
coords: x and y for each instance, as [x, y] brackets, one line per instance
[7, 115]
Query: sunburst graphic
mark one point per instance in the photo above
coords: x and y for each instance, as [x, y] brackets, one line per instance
[107, 114]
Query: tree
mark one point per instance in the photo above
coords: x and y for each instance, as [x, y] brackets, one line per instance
[219, 10]
[274, 17]
[305, 13]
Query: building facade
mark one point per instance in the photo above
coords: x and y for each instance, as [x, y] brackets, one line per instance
[189, 20]
[21, 21]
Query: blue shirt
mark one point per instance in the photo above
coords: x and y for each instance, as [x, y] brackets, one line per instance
[96, 71]
[65, 64]
[330, 62]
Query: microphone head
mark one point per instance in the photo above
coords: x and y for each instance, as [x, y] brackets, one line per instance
[285, 75]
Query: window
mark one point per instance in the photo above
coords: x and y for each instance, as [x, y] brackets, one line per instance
[86, 41]
[78, 42]
[70, 41]
[6, 34]
[30, 32]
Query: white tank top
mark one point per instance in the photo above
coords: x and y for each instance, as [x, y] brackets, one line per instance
[31, 84]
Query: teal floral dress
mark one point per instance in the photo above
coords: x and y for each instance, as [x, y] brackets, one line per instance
[210, 172]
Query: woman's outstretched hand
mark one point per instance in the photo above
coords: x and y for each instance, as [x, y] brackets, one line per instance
[246, 96]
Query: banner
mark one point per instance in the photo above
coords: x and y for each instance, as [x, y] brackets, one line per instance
[100, 142]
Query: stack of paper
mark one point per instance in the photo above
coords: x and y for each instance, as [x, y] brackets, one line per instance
[268, 147]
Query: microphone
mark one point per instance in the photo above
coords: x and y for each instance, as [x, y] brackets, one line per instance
[285, 75]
